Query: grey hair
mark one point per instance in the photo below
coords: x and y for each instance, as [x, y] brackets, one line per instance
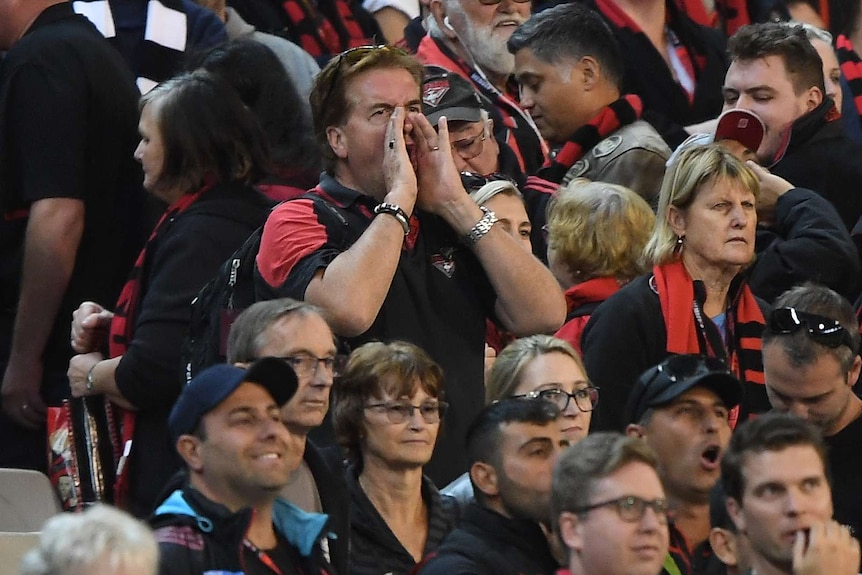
[74, 544]
[492, 189]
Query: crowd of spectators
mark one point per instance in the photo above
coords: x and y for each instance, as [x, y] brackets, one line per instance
[569, 285]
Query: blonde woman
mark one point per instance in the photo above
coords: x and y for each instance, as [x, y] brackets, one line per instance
[596, 237]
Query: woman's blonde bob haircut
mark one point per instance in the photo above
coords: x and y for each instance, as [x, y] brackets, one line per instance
[684, 179]
[506, 373]
[598, 229]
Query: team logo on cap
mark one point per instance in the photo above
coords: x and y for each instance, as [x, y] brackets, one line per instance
[434, 92]
[743, 123]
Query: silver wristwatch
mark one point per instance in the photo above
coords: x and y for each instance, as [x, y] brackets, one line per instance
[482, 227]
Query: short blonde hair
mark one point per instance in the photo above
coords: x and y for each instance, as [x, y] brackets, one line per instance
[508, 368]
[492, 189]
[684, 179]
[599, 229]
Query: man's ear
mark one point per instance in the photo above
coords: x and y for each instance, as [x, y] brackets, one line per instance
[813, 98]
[337, 141]
[855, 369]
[723, 544]
[635, 430]
[189, 448]
[438, 12]
[591, 72]
[571, 531]
[484, 477]
[734, 509]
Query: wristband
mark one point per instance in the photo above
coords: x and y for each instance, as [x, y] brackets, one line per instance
[91, 384]
[396, 211]
[482, 227]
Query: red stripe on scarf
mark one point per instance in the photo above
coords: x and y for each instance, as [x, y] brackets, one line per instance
[120, 336]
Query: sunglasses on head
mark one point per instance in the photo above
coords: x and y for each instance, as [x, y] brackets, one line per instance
[682, 367]
[473, 181]
[823, 330]
[352, 57]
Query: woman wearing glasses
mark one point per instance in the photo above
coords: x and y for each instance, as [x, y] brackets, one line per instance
[696, 300]
[387, 409]
[539, 366]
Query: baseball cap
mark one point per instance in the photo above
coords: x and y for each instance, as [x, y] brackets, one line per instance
[445, 93]
[213, 385]
[741, 125]
[677, 374]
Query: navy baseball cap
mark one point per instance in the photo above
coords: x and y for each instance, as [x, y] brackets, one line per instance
[677, 374]
[213, 385]
[445, 93]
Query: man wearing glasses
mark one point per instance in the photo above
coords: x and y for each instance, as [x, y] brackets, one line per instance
[512, 446]
[778, 495]
[608, 507]
[680, 409]
[355, 247]
[811, 363]
[297, 333]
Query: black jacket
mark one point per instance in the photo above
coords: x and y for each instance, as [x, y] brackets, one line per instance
[666, 104]
[374, 549]
[184, 255]
[626, 335]
[807, 243]
[819, 156]
[486, 543]
[328, 474]
[197, 536]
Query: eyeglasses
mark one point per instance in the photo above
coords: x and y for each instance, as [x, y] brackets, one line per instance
[469, 148]
[306, 365]
[352, 57]
[631, 509]
[825, 331]
[586, 399]
[473, 181]
[401, 411]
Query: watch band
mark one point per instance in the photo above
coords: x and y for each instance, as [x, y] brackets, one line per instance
[91, 383]
[482, 227]
[396, 211]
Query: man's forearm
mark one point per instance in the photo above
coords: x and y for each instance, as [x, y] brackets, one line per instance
[53, 234]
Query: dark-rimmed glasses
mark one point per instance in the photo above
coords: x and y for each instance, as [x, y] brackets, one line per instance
[631, 509]
[401, 411]
[306, 365]
[586, 399]
[823, 330]
[352, 57]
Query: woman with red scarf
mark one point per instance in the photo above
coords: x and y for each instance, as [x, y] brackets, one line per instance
[695, 300]
[201, 149]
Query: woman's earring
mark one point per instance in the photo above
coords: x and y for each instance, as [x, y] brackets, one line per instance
[678, 247]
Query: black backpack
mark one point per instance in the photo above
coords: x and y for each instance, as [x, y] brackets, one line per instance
[216, 307]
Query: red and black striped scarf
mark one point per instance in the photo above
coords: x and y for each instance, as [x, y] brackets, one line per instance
[851, 68]
[620, 113]
[729, 15]
[322, 32]
[122, 327]
[744, 324]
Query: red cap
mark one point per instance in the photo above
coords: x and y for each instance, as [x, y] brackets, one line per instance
[740, 125]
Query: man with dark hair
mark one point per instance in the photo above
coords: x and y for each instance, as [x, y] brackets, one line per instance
[776, 73]
[680, 409]
[512, 446]
[378, 269]
[238, 455]
[727, 551]
[297, 333]
[774, 475]
[571, 74]
[608, 507]
[811, 364]
[72, 204]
